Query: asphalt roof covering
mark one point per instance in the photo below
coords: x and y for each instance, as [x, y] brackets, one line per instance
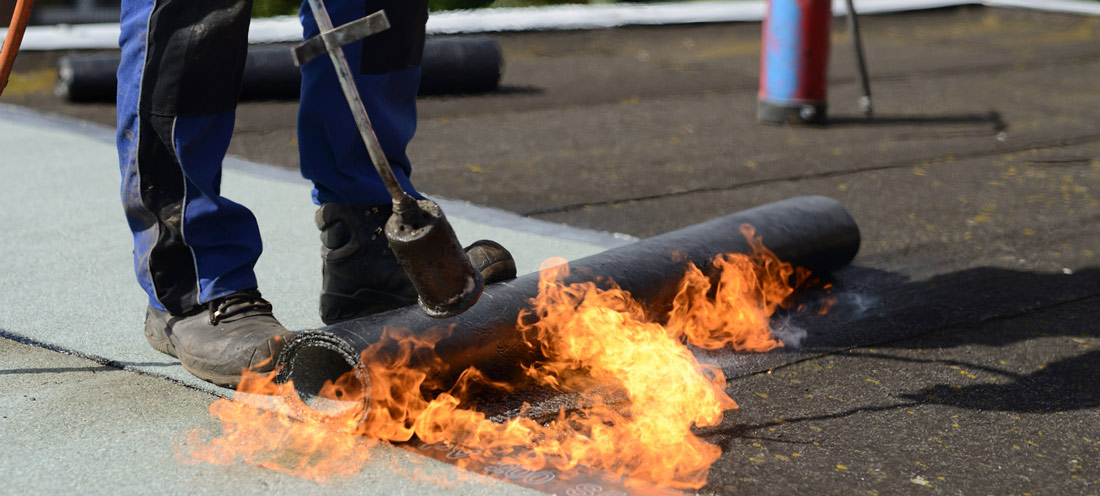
[975, 189]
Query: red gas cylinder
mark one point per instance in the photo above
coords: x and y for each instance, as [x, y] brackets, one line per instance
[794, 60]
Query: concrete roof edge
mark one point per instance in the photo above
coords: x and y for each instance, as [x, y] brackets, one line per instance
[25, 115]
[465, 210]
[108, 362]
[456, 208]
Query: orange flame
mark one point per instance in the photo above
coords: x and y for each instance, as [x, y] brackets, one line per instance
[750, 289]
[641, 388]
[266, 425]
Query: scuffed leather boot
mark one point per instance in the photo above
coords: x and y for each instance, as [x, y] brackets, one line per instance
[361, 276]
[493, 261]
[218, 341]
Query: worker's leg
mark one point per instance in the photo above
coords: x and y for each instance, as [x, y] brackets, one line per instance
[177, 92]
[178, 83]
[360, 275]
[387, 72]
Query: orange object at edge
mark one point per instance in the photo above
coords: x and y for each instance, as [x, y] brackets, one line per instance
[13, 39]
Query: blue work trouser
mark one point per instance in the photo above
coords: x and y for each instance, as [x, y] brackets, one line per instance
[178, 84]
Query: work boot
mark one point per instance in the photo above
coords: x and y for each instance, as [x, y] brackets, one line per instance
[218, 341]
[359, 273]
[493, 261]
[361, 276]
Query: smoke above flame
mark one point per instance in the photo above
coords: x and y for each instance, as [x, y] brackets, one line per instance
[640, 390]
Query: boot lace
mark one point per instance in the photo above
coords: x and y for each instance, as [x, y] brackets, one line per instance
[238, 305]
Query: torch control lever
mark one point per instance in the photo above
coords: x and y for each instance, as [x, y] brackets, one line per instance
[418, 233]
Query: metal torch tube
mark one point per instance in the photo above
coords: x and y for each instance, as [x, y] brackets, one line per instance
[351, 92]
[813, 232]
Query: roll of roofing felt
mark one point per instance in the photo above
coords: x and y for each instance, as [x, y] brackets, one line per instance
[813, 232]
[450, 65]
[461, 65]
[270, 74]
[87, 78]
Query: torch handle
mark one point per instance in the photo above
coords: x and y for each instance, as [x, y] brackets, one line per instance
[351, 92]
[13, 39]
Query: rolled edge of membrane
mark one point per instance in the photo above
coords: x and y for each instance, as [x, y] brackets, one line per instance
[342, 356]
[815, 232]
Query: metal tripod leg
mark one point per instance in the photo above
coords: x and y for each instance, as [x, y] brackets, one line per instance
[857, 44]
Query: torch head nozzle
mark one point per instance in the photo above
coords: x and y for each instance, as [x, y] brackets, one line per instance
[426, 247]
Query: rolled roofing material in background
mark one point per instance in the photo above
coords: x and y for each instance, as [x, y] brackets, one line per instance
[87, 78]
[813, 232]
[451, 65]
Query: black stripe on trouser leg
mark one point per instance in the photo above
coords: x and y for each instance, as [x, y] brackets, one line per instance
[163, 192]
[194, 63]
[196, 54]
[401, 46]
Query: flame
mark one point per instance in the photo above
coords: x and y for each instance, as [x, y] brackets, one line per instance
[268, 426]
[750, 289]
[641, 389]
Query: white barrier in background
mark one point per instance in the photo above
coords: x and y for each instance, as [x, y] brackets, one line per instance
[563, 17]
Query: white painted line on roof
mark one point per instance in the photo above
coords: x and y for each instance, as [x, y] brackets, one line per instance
[70, 37]
[598, 16]
[1066, 6]
[593, 16]
[562, 17]
[867, 7]
[275, 30]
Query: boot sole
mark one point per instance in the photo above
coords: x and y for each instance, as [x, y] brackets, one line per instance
[504, 270]
[201, 370]
[226, 381]
[156, 334]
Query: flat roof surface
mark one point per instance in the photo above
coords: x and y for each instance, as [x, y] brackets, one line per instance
[962, 356]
